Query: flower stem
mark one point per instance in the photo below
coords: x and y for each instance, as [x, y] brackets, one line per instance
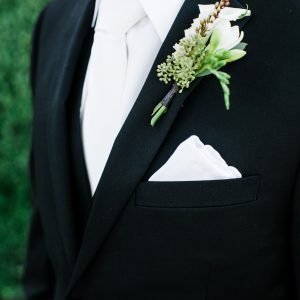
[162, 110]
[162, 107]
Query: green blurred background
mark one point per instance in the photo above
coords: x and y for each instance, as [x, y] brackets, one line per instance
[17, 18]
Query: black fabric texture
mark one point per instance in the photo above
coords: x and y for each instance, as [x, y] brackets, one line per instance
[82, 197]
[225, 239]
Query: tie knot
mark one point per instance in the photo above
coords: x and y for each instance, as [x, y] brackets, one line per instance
[118, 16]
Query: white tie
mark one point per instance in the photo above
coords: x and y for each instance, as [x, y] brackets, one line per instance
[109, 53]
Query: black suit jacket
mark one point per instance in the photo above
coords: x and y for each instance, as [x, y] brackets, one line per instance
[224, 239]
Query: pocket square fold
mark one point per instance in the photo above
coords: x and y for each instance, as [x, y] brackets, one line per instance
[194, 161]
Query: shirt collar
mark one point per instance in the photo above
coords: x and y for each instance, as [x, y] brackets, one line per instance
[161, 13]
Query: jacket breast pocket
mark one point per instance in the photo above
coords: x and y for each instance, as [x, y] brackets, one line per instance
[197, 194]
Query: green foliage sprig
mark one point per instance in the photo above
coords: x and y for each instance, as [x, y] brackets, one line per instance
[208, 45]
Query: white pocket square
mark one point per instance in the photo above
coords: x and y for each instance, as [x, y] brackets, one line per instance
[194, 161]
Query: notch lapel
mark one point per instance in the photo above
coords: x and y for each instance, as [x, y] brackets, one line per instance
[135, 146]
[69, 44]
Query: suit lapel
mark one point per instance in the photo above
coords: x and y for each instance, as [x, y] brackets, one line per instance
[135, 146]
[69, 44]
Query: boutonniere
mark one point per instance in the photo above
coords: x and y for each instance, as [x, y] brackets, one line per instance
[207, 46]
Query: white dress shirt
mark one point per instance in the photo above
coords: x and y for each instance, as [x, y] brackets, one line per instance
[143, 41]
